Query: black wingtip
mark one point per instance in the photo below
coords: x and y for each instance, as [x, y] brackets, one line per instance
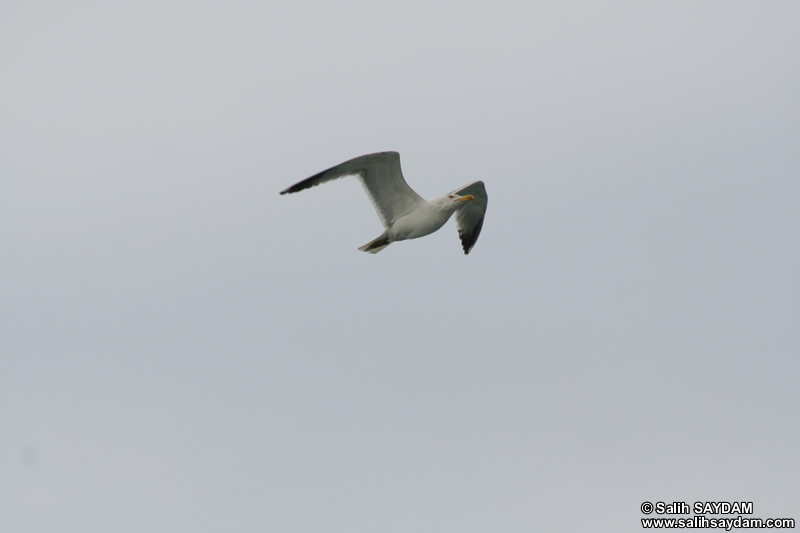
[294, 188]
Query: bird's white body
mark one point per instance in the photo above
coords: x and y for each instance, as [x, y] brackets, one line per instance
[404, 213]
[426, 219]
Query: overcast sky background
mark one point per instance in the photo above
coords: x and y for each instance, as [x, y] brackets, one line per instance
[184, 350]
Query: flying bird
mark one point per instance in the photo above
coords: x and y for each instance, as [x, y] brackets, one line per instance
[404, 213]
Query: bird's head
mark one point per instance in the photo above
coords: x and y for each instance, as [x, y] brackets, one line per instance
[452, 202]
[456, 199]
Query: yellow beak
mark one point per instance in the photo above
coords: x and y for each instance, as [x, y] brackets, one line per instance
[466, 198]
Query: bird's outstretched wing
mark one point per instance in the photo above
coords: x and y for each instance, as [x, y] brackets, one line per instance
[469, 218]
[382, 179]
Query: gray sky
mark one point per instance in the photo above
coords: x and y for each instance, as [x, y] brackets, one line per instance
[184, 350]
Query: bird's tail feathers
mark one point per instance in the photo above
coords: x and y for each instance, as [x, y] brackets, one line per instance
[377, 245]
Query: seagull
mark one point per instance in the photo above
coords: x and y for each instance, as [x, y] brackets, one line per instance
[404, 213]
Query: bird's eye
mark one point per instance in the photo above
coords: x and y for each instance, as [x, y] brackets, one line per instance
[451, 196]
